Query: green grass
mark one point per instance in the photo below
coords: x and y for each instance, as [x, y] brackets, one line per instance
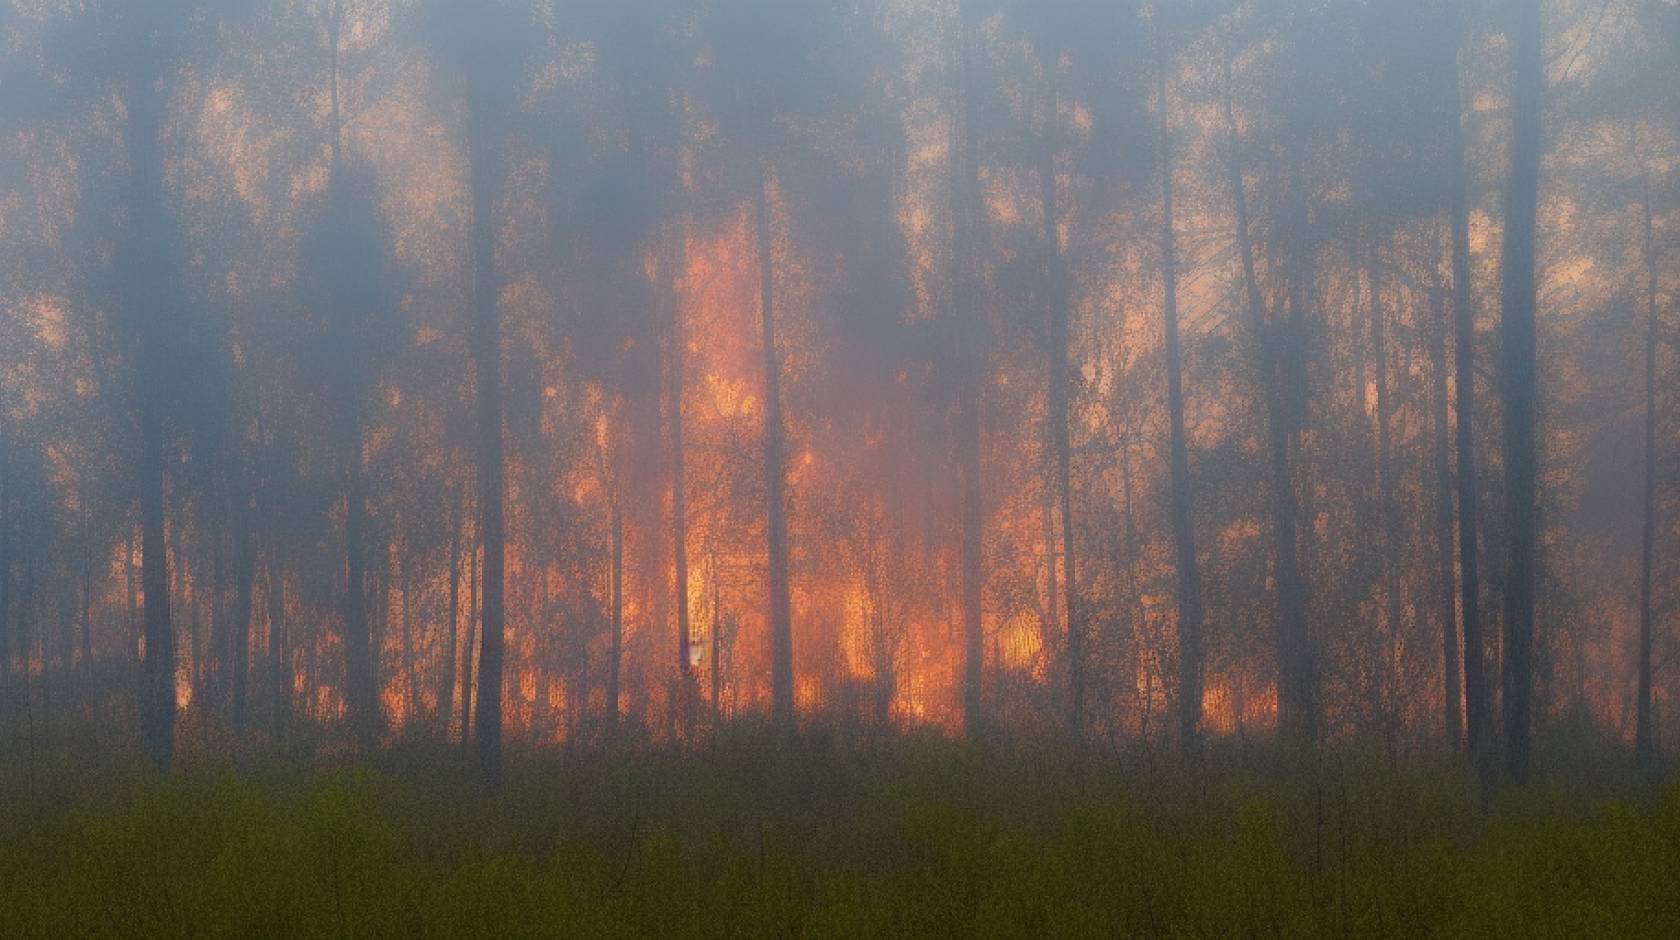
[829, 836]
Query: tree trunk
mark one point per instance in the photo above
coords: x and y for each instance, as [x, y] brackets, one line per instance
[1518, 346]
[1454, 723]
[1392, 540]
[965, 219]
[616, 651]
[775, 474]
[412, 698]
[1060, 387]
[469, 649]
[1477, 717]
[1645, 732]
[146, 240]
[487, 348]
[679, 496]
[245, 575]
[279, 649]
[446, 698]
[1183, 517]
[1296, 712]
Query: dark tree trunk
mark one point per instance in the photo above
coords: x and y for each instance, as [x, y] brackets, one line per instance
[1445, 574]
[1183, 518]
[406, 596]
[1518, 347]
[279, 647]
[452, 629]
[1059, 391]
[146, 242]
[1477, 715]
[487, 346]
[238, 665]
[965, 167]
[1645, 733]
[1392, 539]
[470, 648]
[679, 495]
[616, 641]
[775, 473]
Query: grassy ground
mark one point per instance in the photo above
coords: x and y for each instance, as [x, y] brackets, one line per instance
[829, 836]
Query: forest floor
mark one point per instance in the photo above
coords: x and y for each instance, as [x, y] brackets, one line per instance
[830, 835]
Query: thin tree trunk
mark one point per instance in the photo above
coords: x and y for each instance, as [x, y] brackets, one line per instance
[487, 348]
[1390, 522]
[412, 698]
[1518, 346]
[965, 218]
[679, 495]
[87, 587]
[157, 701]
[1453, 718]
[1477, 715]
[775, 474]
[717, 650]
[469, 650]
[279, 649]
[1645, 732]
[1183, 517]
[1060, 387]
[617, 639]
[245, 575]
[446, 700]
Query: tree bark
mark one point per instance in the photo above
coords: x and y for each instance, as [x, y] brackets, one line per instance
[1518, 347]
[775, 473]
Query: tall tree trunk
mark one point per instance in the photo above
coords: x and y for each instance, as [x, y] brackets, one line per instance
[1445, 574]
[1518, 346]
[1060, 387]
[245, 576]
[87, 586]
[1296, 711]
[679, 495]
[1392, 539]
[412, 696]
[1183, 517]
[775, 473]
[446, 698]
[144, 115]
[965, 220]
[279, 647]
[1477, 714]
[1645, 733]
[470, 648]
[6, 568]
[487, 345]
[616, 641]
[358, 644]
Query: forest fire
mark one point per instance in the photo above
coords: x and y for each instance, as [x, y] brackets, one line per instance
[1153, 380]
